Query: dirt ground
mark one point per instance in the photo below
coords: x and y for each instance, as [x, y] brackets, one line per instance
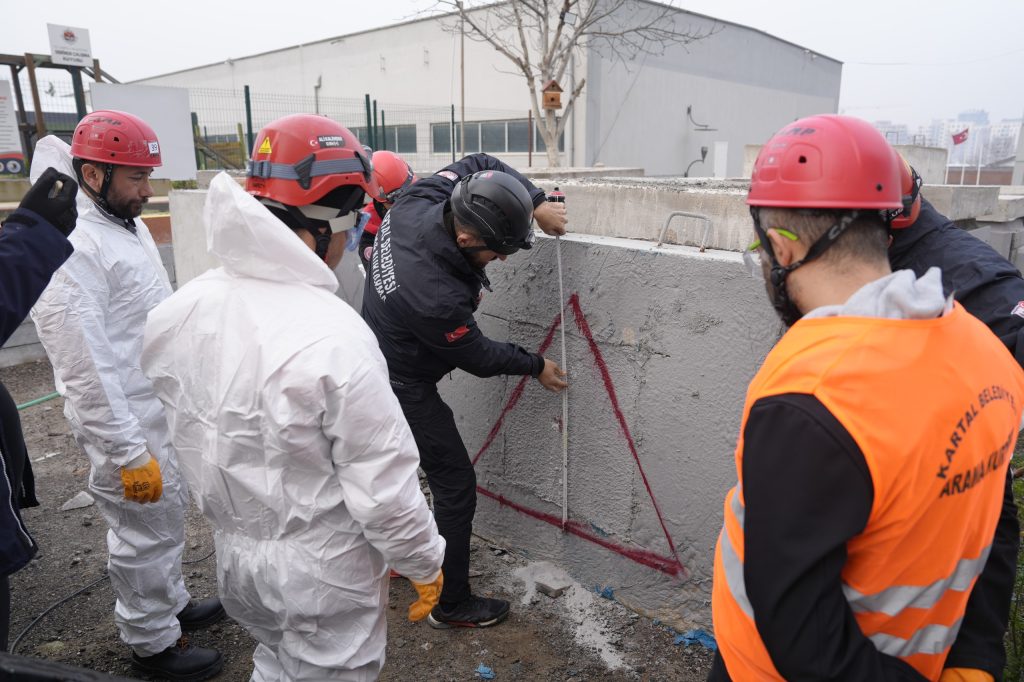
[577, 636]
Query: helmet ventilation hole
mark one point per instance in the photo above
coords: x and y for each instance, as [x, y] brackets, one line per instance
[878, 187]
[116, 138]
[802, 159]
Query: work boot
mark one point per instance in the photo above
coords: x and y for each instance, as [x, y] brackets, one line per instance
[200, 613]
[472, 612]
[181, 662]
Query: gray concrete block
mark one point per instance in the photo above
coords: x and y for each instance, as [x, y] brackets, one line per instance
[664, 345]
[962, 202]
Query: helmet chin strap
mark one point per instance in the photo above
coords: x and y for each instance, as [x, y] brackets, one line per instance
[784, 306]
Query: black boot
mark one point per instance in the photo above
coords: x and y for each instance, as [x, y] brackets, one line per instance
[181, 662]
[472, 612]
[201, 613]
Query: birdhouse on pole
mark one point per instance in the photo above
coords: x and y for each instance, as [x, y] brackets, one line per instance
[552, 95]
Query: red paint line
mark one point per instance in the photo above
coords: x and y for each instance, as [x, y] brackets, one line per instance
[517, 393]
[668, 565]
[581, 323]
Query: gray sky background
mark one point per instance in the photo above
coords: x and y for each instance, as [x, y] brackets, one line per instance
[905, 60]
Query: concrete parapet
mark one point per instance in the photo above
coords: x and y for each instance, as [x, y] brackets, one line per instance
[1009, 207]
[962, 202]
[204, 177]
[929, 162]
[548, 174]
[661, 343]
[637, 208]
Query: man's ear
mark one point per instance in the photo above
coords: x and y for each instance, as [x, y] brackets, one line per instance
[464, 239]
[786, 250]
[93, 176]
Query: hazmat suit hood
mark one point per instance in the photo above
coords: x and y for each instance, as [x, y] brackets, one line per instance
[251, 242]
[53, 152]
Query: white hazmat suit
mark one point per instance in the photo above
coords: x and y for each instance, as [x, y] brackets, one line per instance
[294, 446]
[90, 320]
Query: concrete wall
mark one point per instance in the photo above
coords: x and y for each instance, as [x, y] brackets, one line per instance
[660, 350]
[929, 162]
[740, 81]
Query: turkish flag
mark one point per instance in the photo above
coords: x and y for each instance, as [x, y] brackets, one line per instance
[961, 137]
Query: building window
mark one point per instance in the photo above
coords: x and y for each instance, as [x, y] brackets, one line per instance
[400, 138]
[493, 137]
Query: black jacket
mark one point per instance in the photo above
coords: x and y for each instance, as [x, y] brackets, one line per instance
[990, 288]
[421, 291]
[31, 250]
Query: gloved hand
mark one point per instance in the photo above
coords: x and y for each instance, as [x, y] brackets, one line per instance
[965, 675]
[55, 205]
[429, 593]
[143, 484]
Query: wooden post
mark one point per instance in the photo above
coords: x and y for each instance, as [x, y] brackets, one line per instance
[30, 64]
[97, 72]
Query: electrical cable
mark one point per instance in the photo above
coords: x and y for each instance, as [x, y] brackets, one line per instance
[55, 605]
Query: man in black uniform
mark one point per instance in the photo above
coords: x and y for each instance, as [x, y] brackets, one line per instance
[989, 287]
[33, 245]
[425, 281]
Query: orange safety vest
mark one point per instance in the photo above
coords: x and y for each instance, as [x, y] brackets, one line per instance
[934, 406]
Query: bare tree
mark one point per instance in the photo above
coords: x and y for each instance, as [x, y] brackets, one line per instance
[540, 38]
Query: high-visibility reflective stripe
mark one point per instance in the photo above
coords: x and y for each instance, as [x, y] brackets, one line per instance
[737, 509]
[895, 599]
[731, 561]
[931, 639]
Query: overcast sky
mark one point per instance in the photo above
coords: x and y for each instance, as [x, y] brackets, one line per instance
[905, 60]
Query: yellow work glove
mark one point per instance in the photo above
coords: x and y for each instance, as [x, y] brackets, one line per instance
[965, 675]
[429, 593]
[143, 484]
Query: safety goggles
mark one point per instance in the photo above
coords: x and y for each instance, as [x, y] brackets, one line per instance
[752, 257]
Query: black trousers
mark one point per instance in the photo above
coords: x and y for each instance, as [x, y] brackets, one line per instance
[451, 478]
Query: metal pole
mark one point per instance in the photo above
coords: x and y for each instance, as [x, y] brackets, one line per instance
[30, 64]
[383, 130]
[529, 133]
[76, 83]
[453, 133]
[369, 122]
[248, 120]
[462, 78]
[376, 142]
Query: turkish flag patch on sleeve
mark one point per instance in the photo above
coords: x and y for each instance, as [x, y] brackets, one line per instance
[457, 334]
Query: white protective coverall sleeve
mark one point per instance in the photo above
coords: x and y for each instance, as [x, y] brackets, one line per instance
[70, 319]
[376, 459]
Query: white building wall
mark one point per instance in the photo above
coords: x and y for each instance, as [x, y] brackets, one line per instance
[740, 81]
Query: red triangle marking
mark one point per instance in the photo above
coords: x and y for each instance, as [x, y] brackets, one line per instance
[671, 564]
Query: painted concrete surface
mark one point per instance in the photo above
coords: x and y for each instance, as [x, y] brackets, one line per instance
[661, 344]
[962, 202]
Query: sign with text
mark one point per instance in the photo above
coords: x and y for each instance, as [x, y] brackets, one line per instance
[69, 45]
[12, 160]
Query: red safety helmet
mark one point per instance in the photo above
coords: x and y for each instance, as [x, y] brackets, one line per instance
[299, 159]
[115, 137]
[910, 185]
[827, 162]
[393, 175]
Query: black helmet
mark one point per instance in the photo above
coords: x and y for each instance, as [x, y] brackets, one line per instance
[498, 207]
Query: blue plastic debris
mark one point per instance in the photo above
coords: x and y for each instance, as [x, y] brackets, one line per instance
[701, 637]
[607, 592]
[484, 672]
[656, 621]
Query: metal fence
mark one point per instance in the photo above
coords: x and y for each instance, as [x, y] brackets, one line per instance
[224, 122]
